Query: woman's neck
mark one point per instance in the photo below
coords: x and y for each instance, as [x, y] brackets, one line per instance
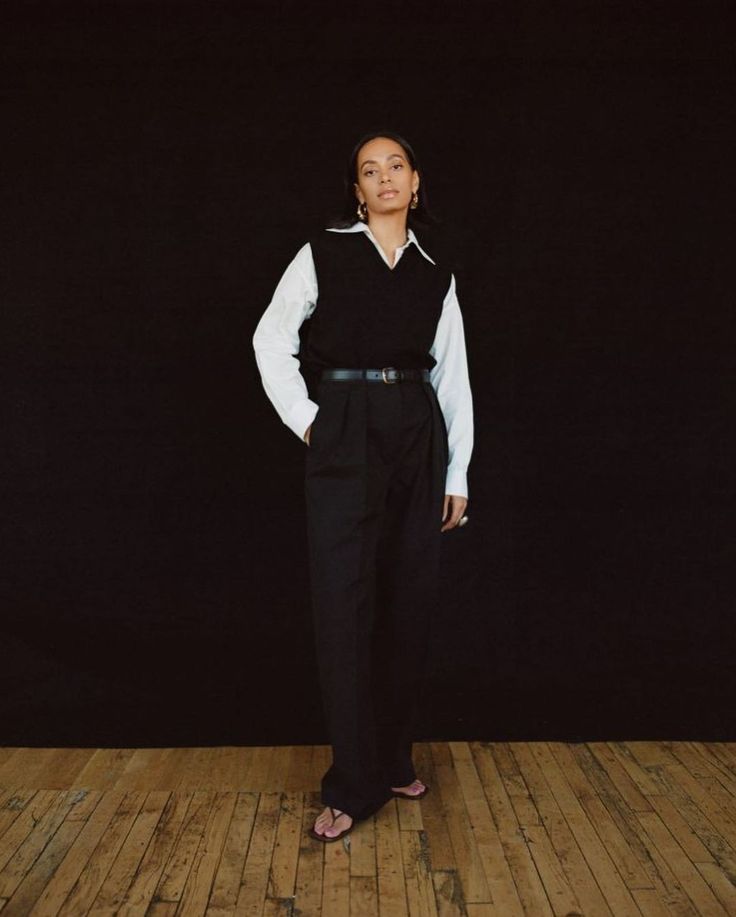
[389, 230]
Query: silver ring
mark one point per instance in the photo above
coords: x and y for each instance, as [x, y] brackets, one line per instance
[462, 520]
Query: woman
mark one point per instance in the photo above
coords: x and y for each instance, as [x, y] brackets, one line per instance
[389, 440]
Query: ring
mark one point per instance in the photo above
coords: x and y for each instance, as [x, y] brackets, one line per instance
[462, 520]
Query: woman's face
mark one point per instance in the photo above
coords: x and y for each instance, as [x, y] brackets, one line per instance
[386, 180]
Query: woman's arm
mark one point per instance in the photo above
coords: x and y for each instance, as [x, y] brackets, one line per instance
[276, 342]
[452, 383]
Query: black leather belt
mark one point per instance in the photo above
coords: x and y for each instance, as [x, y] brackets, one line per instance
[388, 374]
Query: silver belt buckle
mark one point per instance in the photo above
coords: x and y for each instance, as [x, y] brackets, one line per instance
[389, 369]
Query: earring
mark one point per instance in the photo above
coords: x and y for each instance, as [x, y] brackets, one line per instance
[362, 211]
[414, 201]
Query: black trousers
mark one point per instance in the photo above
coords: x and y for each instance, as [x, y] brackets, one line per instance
[374, 486]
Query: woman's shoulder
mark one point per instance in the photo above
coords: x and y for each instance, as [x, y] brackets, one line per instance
[329, 238]
[439, 248]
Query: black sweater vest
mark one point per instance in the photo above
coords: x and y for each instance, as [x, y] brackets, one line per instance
[368, 314]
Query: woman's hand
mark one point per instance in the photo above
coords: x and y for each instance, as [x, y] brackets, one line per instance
[453, 511]
[307, 434]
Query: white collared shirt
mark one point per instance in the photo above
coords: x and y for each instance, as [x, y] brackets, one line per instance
[276, 341]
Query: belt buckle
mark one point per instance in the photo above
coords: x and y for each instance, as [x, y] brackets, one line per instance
[389, 369]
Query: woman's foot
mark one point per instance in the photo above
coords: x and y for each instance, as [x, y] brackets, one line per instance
[332, 823]
[415, 788]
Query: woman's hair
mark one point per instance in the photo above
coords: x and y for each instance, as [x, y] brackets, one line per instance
[420, 216]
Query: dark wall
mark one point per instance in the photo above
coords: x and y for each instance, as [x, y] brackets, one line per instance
[165, 161]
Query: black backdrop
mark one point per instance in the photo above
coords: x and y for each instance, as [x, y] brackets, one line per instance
[164, 161]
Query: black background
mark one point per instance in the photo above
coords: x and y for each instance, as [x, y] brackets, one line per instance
[164, 161]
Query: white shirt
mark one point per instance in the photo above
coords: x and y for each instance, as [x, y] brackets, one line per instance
[276, 343]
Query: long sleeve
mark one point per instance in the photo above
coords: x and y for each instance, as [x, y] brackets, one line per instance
[451, 382]
[276, 342]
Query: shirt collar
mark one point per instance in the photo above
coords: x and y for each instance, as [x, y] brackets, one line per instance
[360, 226]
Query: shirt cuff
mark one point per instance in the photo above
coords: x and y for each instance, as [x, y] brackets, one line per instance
[456, 482]
[302, 415]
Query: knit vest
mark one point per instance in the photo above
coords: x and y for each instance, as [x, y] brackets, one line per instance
[369, 315]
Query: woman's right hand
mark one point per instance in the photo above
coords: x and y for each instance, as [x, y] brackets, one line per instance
[307, 434]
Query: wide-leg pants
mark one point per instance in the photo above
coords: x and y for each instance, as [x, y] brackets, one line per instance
[374, 487]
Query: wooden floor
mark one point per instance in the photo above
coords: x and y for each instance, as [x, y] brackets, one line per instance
[542, 828]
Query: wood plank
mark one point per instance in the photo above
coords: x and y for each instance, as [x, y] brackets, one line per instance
[668, 888]
[261, 765]
[467, 858]
[93, 874]
[279, 769]
[657, 819]
[515, 787]
[566, 873]
[226, 768]
[597, 757]
[6, 753]
[162, 909]
[448, 893]
[13, 803]
[433, 813]
[602, 861]
[59, 768]
[363, 896]
[140, 893]
[600, 803]
[699, 763]
[504, 894]
[79, 853]
[510, 833]
[190, 769]
[321, 762]
[699, 824]
[681, 830]
[639, 776]
[32, 887]
[174, 877]
[608, 781]
[226, 884]
[723, 887]
[42, 830]
[104, 768]
[197, 890]
[144, 770]
[417, 875]
[389, 864]
[22, 826]
[96, 868]
[718, 751]
[254, 881]
[363, 850]
[286, 847]
[298, 776]
[11, 774]
[722, 821]
[22, 767]
[336, 878]
[125, 866]
[309, 872]
[649, 902]
[691, 881]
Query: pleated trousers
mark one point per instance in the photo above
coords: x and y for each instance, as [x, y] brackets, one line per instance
[374, 487]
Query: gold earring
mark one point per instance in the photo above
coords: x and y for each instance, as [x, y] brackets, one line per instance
[414, 201]
[362, 211]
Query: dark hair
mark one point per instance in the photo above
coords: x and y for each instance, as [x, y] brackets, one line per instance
[420, 216]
